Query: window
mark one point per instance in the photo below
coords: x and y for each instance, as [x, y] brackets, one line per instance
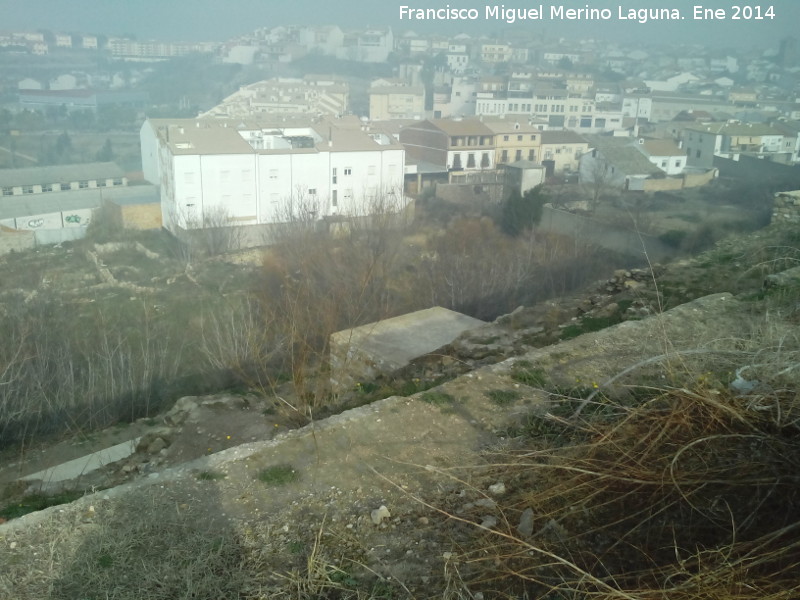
[348, 170]
[27, 189]
[678, 163]
[485, 160]
[117, 181]
[457, 161]
[518, 155]
[312, 191]
[504, 156]
[47, 187]
[519, 138]
[335, 199]
[663, 164]
[505, 138]
[65, 187]
[471, 160]
[531, 155]
[533, 138]
[8, 191]
[333, 175]
[83, 184]
[698, 154]
[273, 173]
[101, 183]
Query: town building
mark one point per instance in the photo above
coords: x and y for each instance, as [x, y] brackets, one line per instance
[312, 95]
[259, 171]
[390, 99]
[457, 145]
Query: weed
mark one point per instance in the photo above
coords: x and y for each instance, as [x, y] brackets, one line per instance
[589, 325]
[106, 561]
[210, 475]
[438, 398]
[484, 341]
[36, 502]
[278, 475]
[296, 547]
[529, 375]
[503, 397]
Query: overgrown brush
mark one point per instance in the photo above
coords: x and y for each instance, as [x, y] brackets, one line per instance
[692, 494]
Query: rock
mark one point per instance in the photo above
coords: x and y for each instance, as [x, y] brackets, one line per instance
[178, 414]
[489, 521]
[379, 514]
[631, 284]
[525, 527]
[609, 310]
[497, 489]
[157, 445]
[786, 279]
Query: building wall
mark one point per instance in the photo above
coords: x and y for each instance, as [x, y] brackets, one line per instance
[426, 145]
[53, 220]
[528, 145]
[250, 189]
[700, 148]
[383, 106]
[671, 165]
[566, 156]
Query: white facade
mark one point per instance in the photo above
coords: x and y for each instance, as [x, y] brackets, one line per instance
[270, 174]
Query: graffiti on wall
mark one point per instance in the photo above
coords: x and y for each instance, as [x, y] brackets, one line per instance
[74, 219]
[34, 223]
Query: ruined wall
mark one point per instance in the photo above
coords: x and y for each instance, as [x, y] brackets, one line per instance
[786, 208]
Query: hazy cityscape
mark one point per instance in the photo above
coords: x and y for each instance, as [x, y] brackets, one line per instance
[455, 300]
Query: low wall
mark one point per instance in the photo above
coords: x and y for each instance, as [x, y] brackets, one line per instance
[786, 207]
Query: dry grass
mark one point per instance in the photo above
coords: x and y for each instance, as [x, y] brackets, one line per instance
[691, 492]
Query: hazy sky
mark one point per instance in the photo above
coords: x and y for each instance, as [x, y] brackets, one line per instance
[222, 19]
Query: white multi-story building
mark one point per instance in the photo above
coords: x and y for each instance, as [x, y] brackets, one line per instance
[215, 172]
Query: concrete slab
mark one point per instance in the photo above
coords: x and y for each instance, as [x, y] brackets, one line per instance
[363, 353]
[73, 469]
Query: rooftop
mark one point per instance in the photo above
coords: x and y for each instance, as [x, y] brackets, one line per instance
[59, 174]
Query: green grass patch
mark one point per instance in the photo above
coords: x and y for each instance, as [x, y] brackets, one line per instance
[37, 502]
[278, 475]
[438, 398]
[589, 325]
[503, 397]
[525, 372]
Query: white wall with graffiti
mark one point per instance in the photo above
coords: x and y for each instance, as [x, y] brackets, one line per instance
[54, 220]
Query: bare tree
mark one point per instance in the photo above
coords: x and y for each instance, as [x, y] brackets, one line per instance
[597, 178]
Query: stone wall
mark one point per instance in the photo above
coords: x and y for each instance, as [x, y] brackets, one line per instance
[786, 207]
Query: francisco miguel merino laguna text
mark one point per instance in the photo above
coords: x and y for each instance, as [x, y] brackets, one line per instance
[556, 12]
